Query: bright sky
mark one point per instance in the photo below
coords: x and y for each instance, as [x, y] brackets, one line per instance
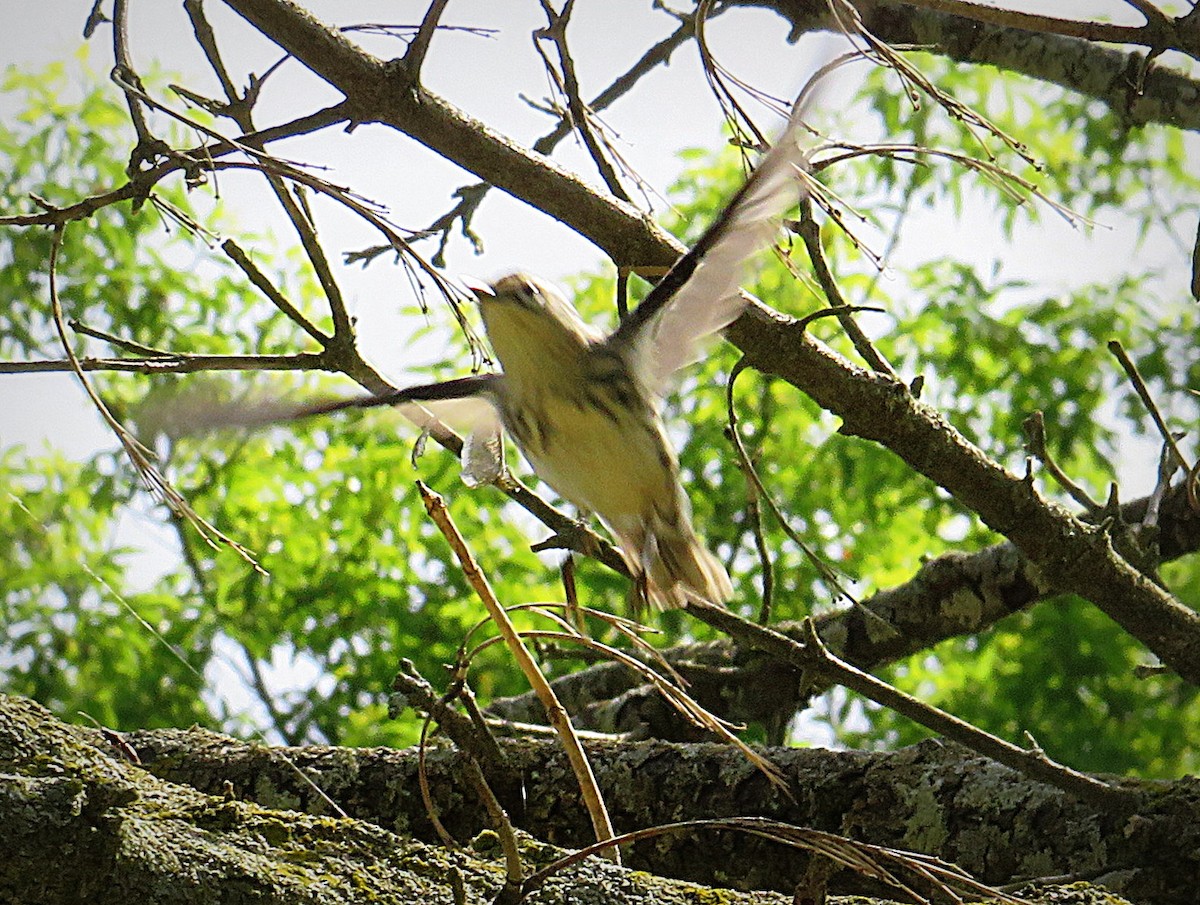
[414, 183]
[667, 112]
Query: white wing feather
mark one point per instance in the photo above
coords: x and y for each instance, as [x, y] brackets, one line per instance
[477, 421]
[712, 299]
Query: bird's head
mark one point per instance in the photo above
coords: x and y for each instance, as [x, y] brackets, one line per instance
[531, 324]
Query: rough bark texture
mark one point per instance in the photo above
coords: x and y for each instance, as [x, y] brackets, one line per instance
[206, 818]
[215, 809]
[80, 823]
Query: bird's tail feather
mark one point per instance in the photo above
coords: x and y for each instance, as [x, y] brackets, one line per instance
[671, 561]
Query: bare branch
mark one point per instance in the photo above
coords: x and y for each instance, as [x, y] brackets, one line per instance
[259, 279]
[175, 363]
[557, 715]
[810, 232]
[208, 43]
[148, 147]
[471, 196]
[1035, 433]
[1074, 556]
[1139, 385]
[1158, 32]
[139, 185]
[556, 32]
[139, 456]
[414, 58]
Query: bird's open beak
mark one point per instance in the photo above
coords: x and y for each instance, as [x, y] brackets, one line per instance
[477, 287]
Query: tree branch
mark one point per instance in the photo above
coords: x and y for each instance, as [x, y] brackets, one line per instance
[1157, 32]
[812, 656]
[933, 796]
[139, 185]
[954, 595]
[176, 363]
[581, 117]
[414, 58]
[1105, 73]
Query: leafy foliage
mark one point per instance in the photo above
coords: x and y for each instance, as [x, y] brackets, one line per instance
[358, 578]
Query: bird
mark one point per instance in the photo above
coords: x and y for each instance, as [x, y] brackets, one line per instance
[584, 407]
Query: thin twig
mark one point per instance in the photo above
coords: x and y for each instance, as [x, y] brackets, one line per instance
[148, 147]
[1035, 435]
[472, 195]
[416, 692]
[138, 186]
[138, 455]
[557, 715]
[514, 873]
[172, 363]
[1167, 466]
[343, 325]
[431, 810]
[670, 689]
[94, 19]
[865, 858]
[716, 75]
[850, 22]
[259, 279]
[1135, 377]
[556, 32]
[825, 572]
[810, 232]
[127, 344]
[1002, 178]
[208, 43]
[414, 57]
[753, 511]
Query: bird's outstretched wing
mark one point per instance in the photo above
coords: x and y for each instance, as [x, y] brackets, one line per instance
[700, 295]
[480, 385]
[462, 407]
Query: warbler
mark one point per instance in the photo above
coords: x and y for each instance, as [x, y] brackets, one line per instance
[583, 416]
[584, 407]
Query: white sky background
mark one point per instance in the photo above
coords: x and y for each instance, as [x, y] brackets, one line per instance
[669, 110]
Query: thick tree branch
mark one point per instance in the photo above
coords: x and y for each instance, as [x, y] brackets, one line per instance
[134, 837]
[1071, 555]
[1116, 77]
[931, 797]
[1157, 32]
